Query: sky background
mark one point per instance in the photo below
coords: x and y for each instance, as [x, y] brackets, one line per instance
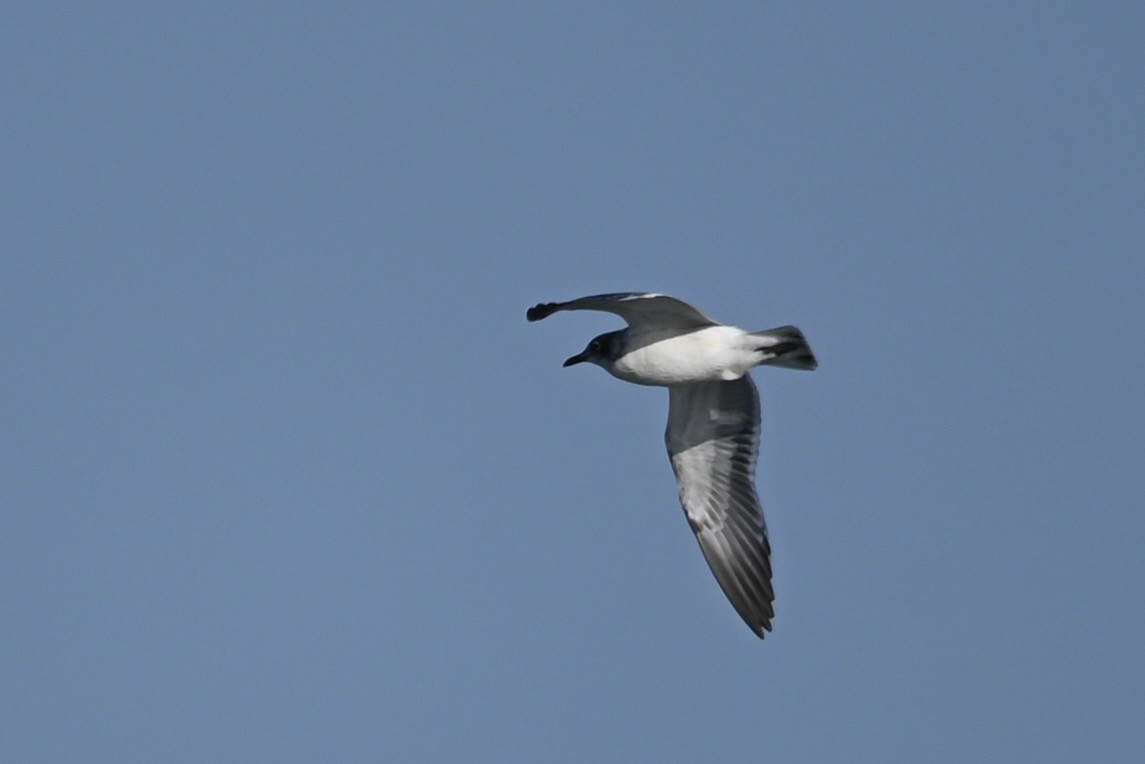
[286, 476]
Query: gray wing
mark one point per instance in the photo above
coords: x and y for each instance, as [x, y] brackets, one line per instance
[713, 439]
[636, 308]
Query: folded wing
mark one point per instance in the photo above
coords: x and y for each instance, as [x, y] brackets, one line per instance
[713, 440]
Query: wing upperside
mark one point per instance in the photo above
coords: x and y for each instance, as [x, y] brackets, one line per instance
[635, 308]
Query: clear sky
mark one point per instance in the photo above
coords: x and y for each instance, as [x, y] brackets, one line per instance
[286, 476]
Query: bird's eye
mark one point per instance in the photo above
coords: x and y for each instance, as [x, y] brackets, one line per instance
[594, 346]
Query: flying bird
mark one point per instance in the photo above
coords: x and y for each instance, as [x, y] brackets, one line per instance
[713, 422]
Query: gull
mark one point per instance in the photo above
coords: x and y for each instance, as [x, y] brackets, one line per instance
[713, 422]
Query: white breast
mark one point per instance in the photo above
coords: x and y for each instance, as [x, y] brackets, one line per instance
[714, 353]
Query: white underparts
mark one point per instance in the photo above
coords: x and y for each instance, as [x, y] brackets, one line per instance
[713, 353]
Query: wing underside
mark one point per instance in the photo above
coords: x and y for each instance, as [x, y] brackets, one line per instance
[713, 439]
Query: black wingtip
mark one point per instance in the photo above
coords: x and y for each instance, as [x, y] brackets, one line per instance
[540, 310]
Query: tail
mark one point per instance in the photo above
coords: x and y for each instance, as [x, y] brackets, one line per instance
[784, 346]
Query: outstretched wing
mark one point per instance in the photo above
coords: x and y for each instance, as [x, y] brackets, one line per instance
[639, 309]
[713, 439]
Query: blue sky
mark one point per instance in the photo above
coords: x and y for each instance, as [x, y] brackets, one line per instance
[286, 476]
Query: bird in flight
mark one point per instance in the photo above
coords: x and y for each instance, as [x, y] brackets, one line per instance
[713, 422]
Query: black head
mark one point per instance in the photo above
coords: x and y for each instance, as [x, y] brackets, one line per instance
[603, 350]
